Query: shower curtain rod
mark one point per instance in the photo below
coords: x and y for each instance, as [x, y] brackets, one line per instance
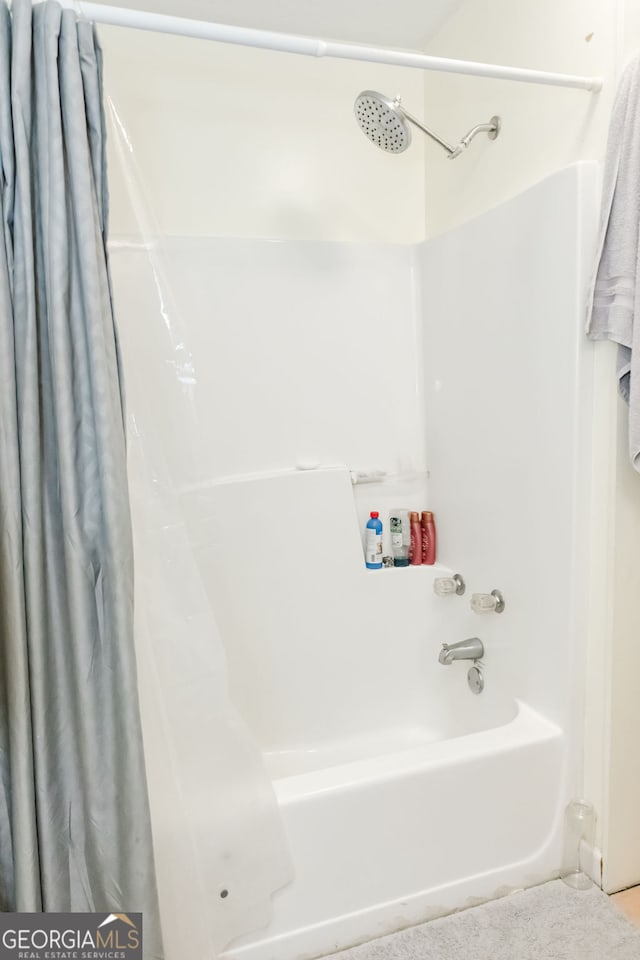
[315, 47]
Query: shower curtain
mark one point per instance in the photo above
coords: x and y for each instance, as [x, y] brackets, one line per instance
[221, 850]
[74, 822]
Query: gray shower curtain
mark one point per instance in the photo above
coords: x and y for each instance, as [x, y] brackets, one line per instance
[74, 820]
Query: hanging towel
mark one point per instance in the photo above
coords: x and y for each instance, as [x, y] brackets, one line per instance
[613, 305]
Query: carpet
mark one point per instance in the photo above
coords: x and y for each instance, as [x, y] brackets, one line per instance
[549, 922]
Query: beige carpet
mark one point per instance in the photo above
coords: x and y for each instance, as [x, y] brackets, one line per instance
[549, 922]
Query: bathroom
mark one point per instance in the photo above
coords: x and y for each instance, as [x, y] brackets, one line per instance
[295, 306]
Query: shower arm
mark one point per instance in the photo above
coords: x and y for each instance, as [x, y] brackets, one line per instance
[492, 129]
[434, 136]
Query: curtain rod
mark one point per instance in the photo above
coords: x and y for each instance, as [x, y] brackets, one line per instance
[315, 47]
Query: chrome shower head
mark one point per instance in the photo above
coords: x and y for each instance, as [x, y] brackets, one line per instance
[386, 123]
[383, 121]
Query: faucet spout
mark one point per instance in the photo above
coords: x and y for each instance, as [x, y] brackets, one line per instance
[471, 649]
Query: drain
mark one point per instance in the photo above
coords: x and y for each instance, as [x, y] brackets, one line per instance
[476, 680]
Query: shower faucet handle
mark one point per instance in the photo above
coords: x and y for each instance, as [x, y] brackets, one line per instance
[447, 586]
[487, 602]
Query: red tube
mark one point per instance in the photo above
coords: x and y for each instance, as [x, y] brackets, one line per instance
[415, 550]
[428, 537]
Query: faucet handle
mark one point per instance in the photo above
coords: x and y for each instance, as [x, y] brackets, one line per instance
[443, 656]
[446, 586]
[487, 602]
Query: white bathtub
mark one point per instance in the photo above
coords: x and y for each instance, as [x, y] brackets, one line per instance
[403, 796]
[383, 842]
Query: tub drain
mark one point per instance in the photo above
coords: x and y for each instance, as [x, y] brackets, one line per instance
[476, 680]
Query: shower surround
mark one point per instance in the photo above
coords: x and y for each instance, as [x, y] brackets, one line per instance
[458, 366]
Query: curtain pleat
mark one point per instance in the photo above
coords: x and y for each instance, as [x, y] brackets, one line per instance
[74, 822]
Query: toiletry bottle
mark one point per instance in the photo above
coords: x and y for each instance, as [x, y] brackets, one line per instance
[398, 521]
[373, 549]
[428, 537]
[399, 526]
[415, 550]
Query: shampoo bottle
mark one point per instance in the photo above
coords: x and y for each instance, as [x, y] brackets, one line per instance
[373, 546]
[428, 537]
[398, 526]
[415, 550]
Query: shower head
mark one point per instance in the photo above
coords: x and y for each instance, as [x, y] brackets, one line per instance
[383, 121]
[386, 123]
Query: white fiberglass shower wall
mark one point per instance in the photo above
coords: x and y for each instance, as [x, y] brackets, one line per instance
[324, 336]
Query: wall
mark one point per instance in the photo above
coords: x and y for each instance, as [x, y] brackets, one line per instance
[284, 349]
[268, 138]
[622, 830]
[630, 37]
[259, 356]
[507, 454]
[545, 128]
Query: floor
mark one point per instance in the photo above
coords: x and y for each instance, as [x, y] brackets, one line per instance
[548, 922]
[629, 902]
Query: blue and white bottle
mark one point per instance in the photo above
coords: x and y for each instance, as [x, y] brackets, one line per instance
[373, 544]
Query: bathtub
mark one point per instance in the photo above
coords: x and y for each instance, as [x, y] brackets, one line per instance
[425, 826]
[402, 794]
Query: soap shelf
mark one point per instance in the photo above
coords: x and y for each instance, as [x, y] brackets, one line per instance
[437, 569]
[367, 476]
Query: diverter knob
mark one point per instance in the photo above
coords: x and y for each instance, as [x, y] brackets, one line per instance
[447, 586]
[487, 602]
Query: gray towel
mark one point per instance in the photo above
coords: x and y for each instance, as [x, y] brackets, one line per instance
[614, 295]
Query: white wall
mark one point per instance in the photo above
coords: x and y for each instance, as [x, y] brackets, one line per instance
[238, 142]
[543, 129]
[259, 355]
[289, 352]
[255, 356]
[621, 828]
[631, 33]
[622, 824]
[507, 371]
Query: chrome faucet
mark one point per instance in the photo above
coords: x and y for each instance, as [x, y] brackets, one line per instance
[472, 649]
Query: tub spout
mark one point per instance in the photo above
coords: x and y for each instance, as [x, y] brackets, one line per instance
[472, 649]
